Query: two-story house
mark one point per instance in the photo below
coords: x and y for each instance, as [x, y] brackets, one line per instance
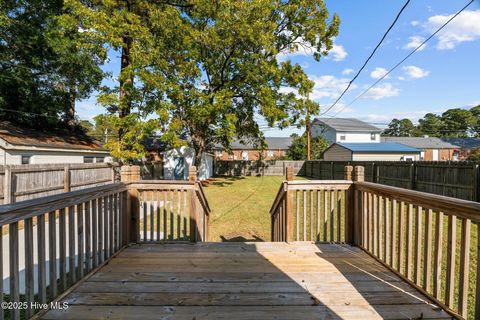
[345, 130]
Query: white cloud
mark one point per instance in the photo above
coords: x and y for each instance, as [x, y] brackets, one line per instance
[387, 117]
[337, 53]
[415, 72]
[401, 78]
[328, 86]
[378, 73]
[414, 42]
[415, 23]
[386, 90]
[465, 27]
[346, 72]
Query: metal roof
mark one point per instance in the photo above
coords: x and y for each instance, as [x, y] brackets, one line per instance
[421, 142]
[467, 143]
[376, 147]
[346, 124]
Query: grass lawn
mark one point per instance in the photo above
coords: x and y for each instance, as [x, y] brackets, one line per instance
[240, 207]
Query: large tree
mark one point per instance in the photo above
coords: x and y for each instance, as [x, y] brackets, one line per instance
[476, 113]
[400, 128]
[431, 125]
[458, 123]
[298, 148]
[228, 67]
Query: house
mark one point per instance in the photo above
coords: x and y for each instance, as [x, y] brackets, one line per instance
[276, 148]
[26, 146]
[176, 163]
[466, 145]
[371, 152]
[345, 130]
[433, 149]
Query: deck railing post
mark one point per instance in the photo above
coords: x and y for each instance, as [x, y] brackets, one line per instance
[349, 207]
[194, 227]
[359, 176]
[288, 205]
[7, 185]
[129, 174]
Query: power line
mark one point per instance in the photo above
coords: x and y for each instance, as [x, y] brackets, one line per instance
[369, 57]
[404, 59]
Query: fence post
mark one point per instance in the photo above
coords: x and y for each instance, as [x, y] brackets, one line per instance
[194, 231]
[412, 176]
[66, 178]
[7, 185]
[288, 204]
[349, 206]
[127, 175]
[359, 176]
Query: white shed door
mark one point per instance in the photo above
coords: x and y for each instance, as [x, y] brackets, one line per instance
[435, 155]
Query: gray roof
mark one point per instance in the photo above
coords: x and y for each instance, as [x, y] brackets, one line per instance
[421, 142]
[467, 143]
[346, 124]
[274, 143]
[375, 147]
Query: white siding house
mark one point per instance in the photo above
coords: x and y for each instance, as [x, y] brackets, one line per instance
[371, 152]
[26, 146]
[177, 161]
[345, 130]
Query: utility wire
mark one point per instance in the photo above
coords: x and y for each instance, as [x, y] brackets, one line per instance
[404, 59]
[369, 57]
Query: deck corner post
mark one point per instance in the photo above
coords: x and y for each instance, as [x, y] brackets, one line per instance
[289, 173]
[358, 176]
[193, 217]
[192, 173]
[129, 174]
[349, 207]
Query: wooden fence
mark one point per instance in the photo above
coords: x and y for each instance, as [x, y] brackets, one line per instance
[428, 240]
[24, 182]
[256, 167]
[453, 179]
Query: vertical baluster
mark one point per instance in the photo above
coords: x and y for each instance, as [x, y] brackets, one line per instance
[71, 245]
[386, 229]
[380, 224]
[464, 267]
[375, 225]
[418, 245]
[325, 215]
[437, 270]
[393, 244]
[165, 207]
[14, 276]
[451, 251]
[339, 216]
[304, 215]
[311, 215]
[145, 214]
[115, 209]
[185, 215]
[157, 193]
[408, 262]
[172, 218]
[401, 238]
[179, 214]
[364, 219]
[318, 216]
[477, 285]
[62, 215]
[370, 222]
[42, 286]
[427, 258]
[52, 253]
[29, 266]
[110, 225]
[88, 238]
[106, 224]
[152, 214]
[101, 229]
[81, 232]
[2, 316]
[94, 234]
[332, 215]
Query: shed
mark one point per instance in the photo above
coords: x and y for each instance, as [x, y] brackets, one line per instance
[177, 161]
[371, 152]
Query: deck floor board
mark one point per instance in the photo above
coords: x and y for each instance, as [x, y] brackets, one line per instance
[245, 281]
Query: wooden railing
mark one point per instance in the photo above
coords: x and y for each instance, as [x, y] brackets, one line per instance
[55, 241]
[430, 241]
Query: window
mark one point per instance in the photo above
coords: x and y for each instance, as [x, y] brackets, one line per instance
[342, 137]
[373, 136]
[88, 159]
[26, 159]
[100, 160]
[270, 153]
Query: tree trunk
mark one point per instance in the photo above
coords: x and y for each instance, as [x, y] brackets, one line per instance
[199, 147]
[125, 63]
[70, 112]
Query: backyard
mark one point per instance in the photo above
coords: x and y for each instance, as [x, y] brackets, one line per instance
[240, 207]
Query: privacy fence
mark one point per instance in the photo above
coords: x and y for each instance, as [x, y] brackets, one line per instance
[256, 167]
[453, 179]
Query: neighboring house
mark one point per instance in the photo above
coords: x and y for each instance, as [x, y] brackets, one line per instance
[177, 161]
[345, 130]
[433, 149]
[26, 146]
[371, 152]
[466, 145]
[277, 148]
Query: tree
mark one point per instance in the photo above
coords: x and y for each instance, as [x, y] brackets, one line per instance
[430, 125]
[458, 123]
[225, 70]
[476, 113]
[400, 128]
[298, 148]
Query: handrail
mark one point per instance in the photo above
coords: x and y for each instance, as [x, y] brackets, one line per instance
[202, 197]
[461, 208]
[281, 191]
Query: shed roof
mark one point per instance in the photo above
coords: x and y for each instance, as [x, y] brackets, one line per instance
[19, 136]
[421, 142]
[346, 124]
[376, 147]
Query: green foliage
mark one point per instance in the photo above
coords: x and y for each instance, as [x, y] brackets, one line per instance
[298, 148]
[458, 123]
[474, 155]
[430, 125]
[400, 128]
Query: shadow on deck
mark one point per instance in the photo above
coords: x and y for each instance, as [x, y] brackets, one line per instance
[244, 281]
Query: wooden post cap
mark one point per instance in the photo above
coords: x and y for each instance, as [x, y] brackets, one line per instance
[289, 173]
[359, 173]
[348, 173]
[192, 173]
[130, 173]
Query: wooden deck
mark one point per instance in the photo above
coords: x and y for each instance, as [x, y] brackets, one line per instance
[244, 281]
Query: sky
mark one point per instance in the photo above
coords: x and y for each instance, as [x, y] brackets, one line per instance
[444, 74]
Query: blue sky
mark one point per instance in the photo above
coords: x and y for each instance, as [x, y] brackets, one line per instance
[444, 74]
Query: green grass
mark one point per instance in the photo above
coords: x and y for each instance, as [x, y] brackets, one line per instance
[240, 207]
